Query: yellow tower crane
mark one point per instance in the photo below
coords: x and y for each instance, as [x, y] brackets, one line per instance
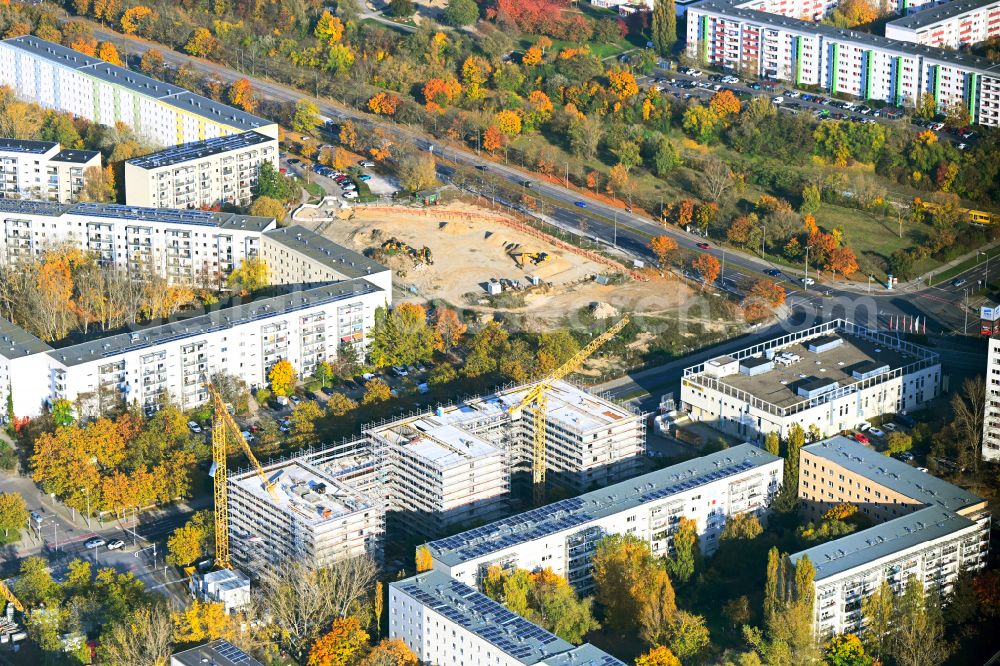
[537, 398]
[9, 596]
[224, 429]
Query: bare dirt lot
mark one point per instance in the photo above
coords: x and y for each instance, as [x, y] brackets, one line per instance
[470, 250]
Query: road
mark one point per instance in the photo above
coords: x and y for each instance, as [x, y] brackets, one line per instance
[622, 229]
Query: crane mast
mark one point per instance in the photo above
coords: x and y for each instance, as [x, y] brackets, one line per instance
[538, 396]
[224, 429]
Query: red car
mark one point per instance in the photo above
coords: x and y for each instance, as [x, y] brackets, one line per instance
[861, 437]
[704, 246]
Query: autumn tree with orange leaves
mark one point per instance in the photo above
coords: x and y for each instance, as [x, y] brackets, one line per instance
[708, 267]
[622, 84]
[344, 645]
[383, 103]
[508, 122]
[725, 103]
[390, 652]
[137, 19]
[493, 139]
[448, 328]
[841, 260]
[662, 246]
[242, 95]
[764, 297]
[440, 93]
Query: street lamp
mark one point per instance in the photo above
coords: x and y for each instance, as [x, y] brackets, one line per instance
[965, 328]
[763, 235]
[805, 281]
[870, 277]
[87, 492]
[986, 278]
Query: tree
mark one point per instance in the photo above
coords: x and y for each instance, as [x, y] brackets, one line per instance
[508, 122]
[845, 650]
[13, 516]
[484, 350]
[417, 172]
[789, 595]
[688, 635]
[742, 527]
[448, 328]
[918, 628]
[108, 52]
[306, 118]
[658, 656]
[383, 103]
[811, 200]
[144, 638]
[340, 404]
[62, 412]
[664, 26]
[857, 12]
[252, 275]
[897, 442]
[329, 28]
[268, 207]
[701, 123]
[657, 607]
[554, 349]
[192, 541]
[423, 559]
[842, 260]
[343, 645]
[630, 584]
[201, 43]
[559, 608]
[764, 298]
[684, 561]
[348, 135]
[151, 63]
[737, 610]
[460, 13]
[963, 604]
[282, 378]
[201, 621]
[34, 585]
[242, 95]
[708, 267]
[376, 391]
[401, 8]
[725, 103]
[272, 183]
[666, 158]
[302, 423]
[137, 19]
[300, 600]
[662, 246]
[622, 84]
[772, 443]
[968, 408]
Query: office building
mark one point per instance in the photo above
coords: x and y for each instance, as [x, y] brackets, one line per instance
[219, 652]
[444, 621]
[60, 78]
[991, 417]
[201, 174]
[736, 36]
[42, 170]
[327, 506]
[229, 587]
[832, 377]
[924, 527]
[442, 476]
[953, 25]
[326, 296]
[562, 536]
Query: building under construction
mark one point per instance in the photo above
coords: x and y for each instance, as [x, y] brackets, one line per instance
[440, 470]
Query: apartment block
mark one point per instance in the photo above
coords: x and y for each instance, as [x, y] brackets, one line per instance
[832, 376]
[66, 80]
[329, 506]
[444, 621]
[201, 174]
[953, 25]
[562, 536]
[305, 321]
[924, 527]
[991, 417]
[757, 42]
[42, 170]
[442, 476]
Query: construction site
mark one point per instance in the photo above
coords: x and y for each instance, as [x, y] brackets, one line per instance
[463, 254]
[433, 472]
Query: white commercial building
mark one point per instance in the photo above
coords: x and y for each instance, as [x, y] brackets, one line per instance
[925, 527]
[952, 25]
[832, 376]
[229, 587]
[66, 80]
[202, 174]
[737, 36]
[43, 170]
[444, 621]
[329, 506]
[328, 298]
[562, 536]
[991, 417]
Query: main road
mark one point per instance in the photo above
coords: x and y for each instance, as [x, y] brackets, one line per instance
[618, 227]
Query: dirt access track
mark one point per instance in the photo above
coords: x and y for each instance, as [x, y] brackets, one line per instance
[473, 245]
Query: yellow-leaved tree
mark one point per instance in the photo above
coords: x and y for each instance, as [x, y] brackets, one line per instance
[251, 276]
[343, 645]
[282, 378]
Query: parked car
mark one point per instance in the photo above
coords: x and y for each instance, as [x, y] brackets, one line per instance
[861, 438]
[116, 544]
[350, 194]
[366, 163]
[891, 427]
[94, 542]
[400, 371]
[876, 432]
[294, 399]
[777, 100]
[364, 177]
[194, 427]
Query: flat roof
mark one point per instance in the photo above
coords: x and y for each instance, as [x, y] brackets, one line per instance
[309, 243]
[215, 320]
[169, 94]
[219, 652]
[440, 444]
[75, 156]
[569, 405]
[15, 342]
[868, 40]
[203, 218]
[893, 474]
[779, 386]
[194, 150]
[943, 12]
[308, 491]
[875, 543]
[26, 146]
[569, 513]
[478, 614]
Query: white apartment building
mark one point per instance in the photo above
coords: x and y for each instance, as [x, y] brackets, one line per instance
[201, 174]
[43, 170]
[444, 621]
[870, 67]
[562, 536]
[305, 322]
[832, 376]
[329, 507]
[925, 527]
[66, 80]
[991, 417]
[442, 476]
[950, 26]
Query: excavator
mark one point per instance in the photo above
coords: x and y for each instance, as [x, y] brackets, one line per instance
[522, 258]
[423, 255]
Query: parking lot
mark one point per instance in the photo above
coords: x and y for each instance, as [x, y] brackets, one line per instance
[346, 185]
